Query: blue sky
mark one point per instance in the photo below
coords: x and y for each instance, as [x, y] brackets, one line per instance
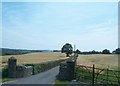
[49, 25]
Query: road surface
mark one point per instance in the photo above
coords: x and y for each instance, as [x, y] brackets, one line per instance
[47, 77]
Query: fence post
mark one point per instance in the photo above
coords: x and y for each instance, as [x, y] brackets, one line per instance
[82, 73]
[93, 76]
[107, 76]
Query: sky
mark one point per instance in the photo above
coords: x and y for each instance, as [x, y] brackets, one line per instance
[49, 25]
[60, 0]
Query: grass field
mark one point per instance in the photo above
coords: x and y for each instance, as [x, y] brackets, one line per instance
[35, 57]
[100, 60]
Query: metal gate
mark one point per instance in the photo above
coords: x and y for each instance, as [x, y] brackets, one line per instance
[95, 76]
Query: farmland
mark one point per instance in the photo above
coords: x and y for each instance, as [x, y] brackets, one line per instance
[33, 58]
[100, 60]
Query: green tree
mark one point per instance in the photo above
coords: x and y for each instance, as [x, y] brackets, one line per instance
[117, 51]
[105, 51]
[68, 49]
[77, 51]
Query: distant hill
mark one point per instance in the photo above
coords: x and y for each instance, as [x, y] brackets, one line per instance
[7, 51]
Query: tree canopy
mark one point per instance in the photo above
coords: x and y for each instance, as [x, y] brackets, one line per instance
[117, 51]
[67, 48]
[105, 51]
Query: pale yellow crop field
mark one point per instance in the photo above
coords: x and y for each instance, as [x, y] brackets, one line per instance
[35, 57]
[100, 60]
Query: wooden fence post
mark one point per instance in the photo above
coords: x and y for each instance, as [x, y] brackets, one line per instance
[82, 73]
[93, 76]
[107, 76]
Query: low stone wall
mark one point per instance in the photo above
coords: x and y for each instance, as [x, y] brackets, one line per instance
[23, 71]
[18, 71]
[41, 67]
[62, 71]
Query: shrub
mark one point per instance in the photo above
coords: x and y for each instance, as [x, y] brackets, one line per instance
[4, 72]
[37, 68]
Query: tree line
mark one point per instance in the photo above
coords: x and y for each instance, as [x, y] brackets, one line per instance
[7, 51]
[68, 49]
[105, 51]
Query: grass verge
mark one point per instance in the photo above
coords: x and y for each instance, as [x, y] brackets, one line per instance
[6, 79]
[61, 83]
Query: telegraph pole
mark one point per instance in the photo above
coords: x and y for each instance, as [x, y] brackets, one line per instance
[74, 48]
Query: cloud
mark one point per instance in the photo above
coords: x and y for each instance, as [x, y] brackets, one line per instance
[50, 25]
[108, 26]
[103, 35]
[98, 37]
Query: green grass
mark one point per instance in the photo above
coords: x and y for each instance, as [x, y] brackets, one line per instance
[6, 79]
[61, 83]
[105, 77]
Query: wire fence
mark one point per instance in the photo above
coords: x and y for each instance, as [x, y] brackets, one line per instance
[93, 75]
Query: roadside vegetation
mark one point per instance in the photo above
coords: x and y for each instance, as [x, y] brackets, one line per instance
[61, 83]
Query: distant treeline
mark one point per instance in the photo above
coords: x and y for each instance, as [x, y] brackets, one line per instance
[6, 51]
[105, 51]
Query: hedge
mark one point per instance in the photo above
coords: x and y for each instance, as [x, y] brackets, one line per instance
[41, 67]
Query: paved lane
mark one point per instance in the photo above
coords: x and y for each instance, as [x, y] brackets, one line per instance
[47, 77]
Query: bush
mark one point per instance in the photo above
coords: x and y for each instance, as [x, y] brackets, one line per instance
[4, 72]
[37, 68]
[105, 51]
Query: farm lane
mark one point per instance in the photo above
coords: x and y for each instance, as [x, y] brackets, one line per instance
[47, 77]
